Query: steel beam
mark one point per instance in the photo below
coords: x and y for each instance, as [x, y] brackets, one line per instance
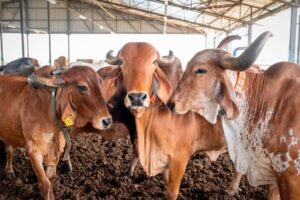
[22, 27]
[298, 49]
[292, 43]
[250, 28]
[49, 32]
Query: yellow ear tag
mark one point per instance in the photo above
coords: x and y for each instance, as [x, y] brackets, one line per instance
[68, 120]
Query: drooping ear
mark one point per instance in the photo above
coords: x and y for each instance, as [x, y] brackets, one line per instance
[164, 87]
[225, 96]
[108, 86]
[68, 112]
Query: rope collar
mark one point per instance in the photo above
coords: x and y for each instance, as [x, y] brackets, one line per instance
[63, 129]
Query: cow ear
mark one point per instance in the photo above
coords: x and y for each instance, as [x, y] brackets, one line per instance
[68, 112]
[108, 86]
[164, 87]
[225, 96]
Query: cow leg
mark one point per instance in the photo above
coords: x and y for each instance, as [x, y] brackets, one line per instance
[9, 165]
[3, 156]
[288, 185]
[234, 184]
[67, 165]
[36, 159]
[273, 193]
[176, 171]
[133, 165]
[213, 155]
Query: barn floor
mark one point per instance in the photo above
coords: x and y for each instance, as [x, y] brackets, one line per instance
[99, 172]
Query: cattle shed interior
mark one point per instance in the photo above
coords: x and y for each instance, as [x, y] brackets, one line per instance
[85, 30]
[214, 19]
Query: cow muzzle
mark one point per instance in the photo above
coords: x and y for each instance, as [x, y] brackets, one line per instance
[103, 123]
[137, 100]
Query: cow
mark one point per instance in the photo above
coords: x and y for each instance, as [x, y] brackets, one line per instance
[170, 65]
[261, 122]
[22, 67]
[165, 141]
[61, 63]
[35, 109]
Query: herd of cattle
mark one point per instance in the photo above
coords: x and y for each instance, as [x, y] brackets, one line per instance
[219, 103]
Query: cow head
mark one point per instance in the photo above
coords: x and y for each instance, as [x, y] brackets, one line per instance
[61, 63]
[79, 98]
[205, 86]
[143, 79]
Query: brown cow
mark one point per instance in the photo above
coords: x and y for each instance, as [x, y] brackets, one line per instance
[61, 63]
[262, 123]
[165, 141]
[29, 120]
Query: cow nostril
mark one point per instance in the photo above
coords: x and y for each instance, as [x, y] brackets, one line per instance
[144, 97]
[106, 121]
[171, 105]
[130, 96]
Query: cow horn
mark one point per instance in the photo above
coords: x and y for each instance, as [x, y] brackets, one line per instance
[50, 82]
[110, 59]
[224, 43]
[58, 72]
[247, 58]
[166, 60]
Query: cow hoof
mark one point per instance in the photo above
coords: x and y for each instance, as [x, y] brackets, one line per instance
[66, 167]
[231, 191]
[10, 175]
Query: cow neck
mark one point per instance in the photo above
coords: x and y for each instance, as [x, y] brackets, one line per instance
[145, 136]
[256, 92]
[63, 129]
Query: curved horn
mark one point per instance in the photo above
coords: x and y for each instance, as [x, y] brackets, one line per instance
[247, 58]
[50, 82]
[224, 43]
[166, 60]
[110, 59]
[58, 72]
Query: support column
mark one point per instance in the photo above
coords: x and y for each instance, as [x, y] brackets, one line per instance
[250, 28]
[22, 27]
[298, 49]
[68, 27]
[1, 39]
[49, 32]
[292, 43]
[27, 26]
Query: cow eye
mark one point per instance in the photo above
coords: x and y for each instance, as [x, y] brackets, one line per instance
[155, 62]
[201, 71]
[119, 62]
[82, 88]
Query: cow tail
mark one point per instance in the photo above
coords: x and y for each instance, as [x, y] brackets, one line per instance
[3, 156]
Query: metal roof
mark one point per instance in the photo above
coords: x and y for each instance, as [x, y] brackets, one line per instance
[141, 16]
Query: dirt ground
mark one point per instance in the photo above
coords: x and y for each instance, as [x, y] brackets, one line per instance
[100, 172]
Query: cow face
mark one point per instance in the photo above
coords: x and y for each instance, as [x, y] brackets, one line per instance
[142, 77]
[82, 98]
[79, 98]
[203, 88]
[61, 63]
[205, 85]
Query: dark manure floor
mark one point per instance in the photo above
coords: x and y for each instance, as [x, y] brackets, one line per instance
[100, 172]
